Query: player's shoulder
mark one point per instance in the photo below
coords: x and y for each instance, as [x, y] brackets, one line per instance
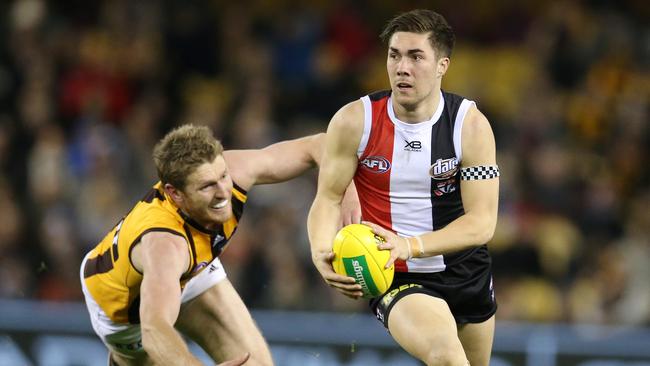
[356, 108]
[346, 126]
[453, 101]
[475, 122]
[348, 121]
[453, 97]
[350, 114]
[379, 95]
[478, 143]
[154, 214]
[351, 110]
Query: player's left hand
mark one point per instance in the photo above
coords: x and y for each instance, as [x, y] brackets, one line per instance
[398, 246]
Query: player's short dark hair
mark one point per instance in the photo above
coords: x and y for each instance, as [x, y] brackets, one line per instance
[421, 21]
[182, 150]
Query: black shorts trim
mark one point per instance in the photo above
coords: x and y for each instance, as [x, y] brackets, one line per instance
[466, 287]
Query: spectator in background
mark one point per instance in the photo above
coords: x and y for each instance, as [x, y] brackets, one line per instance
[15, 277]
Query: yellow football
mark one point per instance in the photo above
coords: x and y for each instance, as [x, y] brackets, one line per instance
[357, 256]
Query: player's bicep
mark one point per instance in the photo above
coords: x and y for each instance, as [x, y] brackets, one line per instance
[164, 258]
[478, 146]
[479, 170]
[340, 160]
[481, 197]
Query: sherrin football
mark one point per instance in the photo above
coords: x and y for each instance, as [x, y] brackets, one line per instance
[357, 256]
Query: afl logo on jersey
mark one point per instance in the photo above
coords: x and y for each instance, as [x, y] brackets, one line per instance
[444, 169]
[375, 164]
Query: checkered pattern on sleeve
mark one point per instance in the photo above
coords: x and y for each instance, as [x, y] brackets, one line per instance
[479, 172]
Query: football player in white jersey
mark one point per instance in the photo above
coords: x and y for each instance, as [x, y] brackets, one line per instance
[433, 197]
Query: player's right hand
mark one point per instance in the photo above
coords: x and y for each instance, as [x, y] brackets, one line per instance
[237, 361]
[344, 284]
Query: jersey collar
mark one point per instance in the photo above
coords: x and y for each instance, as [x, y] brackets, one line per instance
[414, 127]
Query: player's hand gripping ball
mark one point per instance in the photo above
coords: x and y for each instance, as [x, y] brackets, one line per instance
[357, 256]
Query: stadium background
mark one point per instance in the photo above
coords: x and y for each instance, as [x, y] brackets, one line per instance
[86, 88]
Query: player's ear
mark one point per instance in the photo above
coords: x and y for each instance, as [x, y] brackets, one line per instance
[442, 66]
[173, 192]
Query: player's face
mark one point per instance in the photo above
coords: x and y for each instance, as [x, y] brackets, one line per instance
[413, 68]
[207, 194]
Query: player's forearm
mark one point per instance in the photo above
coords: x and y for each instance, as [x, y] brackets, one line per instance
[308, 150]
[286, 160]
[322, 224]
[165, 346]
[467, 231]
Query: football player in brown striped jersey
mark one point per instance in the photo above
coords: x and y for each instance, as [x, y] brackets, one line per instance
[158, 269]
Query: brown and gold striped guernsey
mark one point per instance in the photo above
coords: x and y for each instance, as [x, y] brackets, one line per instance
[111, 278]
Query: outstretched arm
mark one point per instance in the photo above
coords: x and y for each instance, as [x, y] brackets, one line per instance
[275, 163]
[337, 169]
[283, 161]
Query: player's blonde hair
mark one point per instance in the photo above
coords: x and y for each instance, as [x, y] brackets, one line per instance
[182, 150]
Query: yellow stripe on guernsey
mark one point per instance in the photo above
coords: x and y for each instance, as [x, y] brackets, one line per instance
[110, 276]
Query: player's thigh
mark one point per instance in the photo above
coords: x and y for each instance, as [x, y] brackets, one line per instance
[477, 341]
[220, 323]
[424, 326]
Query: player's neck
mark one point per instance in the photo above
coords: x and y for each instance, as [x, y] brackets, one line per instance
[418, 112]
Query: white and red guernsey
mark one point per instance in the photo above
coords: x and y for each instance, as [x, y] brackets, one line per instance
[408, 178]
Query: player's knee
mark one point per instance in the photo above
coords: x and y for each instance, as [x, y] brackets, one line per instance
[446, 354]
[446, 358]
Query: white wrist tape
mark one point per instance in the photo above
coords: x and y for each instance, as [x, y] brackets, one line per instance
[421, 245]
[408, 245]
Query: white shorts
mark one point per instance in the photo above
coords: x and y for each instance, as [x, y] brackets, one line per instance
[126, 339]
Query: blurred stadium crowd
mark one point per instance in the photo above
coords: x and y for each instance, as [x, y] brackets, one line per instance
[86, 88]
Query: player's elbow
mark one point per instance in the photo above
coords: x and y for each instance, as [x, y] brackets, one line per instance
[152, 335]
[148, 336]
[483, 228]
[485, 235]
[317, 145]
[319, 139]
